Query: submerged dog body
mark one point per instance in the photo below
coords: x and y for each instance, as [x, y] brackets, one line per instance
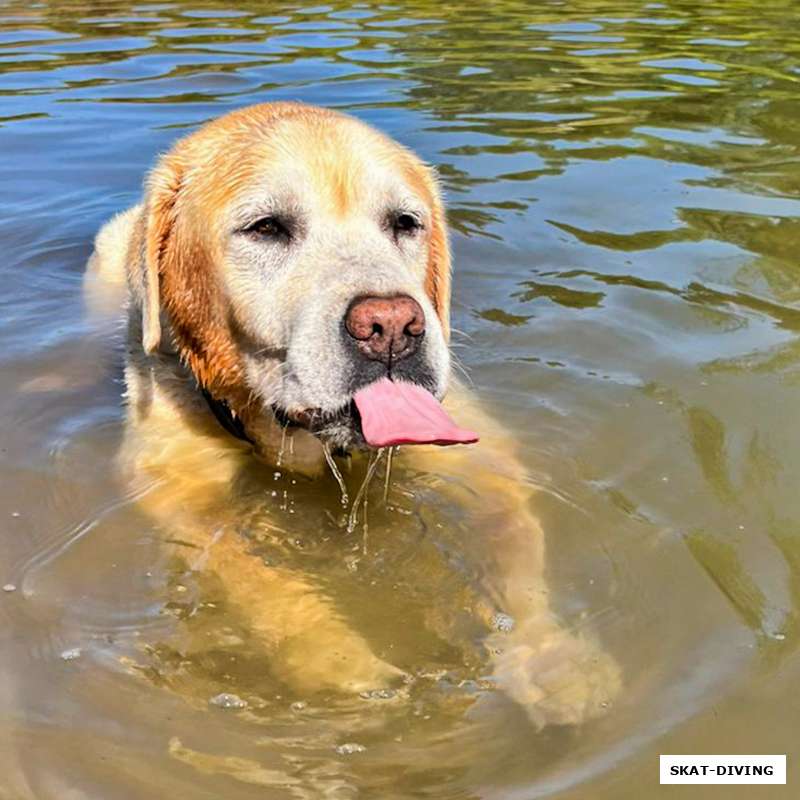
[283, 258]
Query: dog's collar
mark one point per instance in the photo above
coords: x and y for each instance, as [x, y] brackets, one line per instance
[225, 416]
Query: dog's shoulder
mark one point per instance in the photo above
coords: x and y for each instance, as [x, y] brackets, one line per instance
[105, 282]
[112, 245]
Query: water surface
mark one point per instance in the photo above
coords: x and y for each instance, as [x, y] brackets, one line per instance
[623, 183]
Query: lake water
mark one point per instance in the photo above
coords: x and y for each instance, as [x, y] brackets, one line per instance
[623, 182]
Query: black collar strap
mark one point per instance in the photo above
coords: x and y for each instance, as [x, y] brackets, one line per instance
[222, 411]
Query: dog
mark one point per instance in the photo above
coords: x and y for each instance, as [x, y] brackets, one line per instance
[284, 259]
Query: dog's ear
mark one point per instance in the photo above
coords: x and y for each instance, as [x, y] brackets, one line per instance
[161, 194]
[437, 282]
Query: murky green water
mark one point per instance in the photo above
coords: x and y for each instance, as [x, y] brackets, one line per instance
[623, 184]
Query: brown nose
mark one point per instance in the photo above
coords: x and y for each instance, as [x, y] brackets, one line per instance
[386, 328]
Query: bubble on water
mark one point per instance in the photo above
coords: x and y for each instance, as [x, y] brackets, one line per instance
[228, 700]
[779, 636]
[300, 705]
[503, 622]
[9, 587]
[72, 654]
[378, 694]
[351, 562]
[348, 748]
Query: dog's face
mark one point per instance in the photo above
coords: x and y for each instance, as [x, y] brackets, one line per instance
[299, 255]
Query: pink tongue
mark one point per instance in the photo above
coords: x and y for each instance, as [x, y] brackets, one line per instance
[404, 413]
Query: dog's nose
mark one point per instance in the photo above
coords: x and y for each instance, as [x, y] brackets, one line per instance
[386, 328]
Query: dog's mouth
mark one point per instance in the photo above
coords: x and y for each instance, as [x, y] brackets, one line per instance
[341, 428]
[382, 414]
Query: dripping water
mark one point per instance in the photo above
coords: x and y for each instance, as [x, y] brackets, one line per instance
[374, 460]
[387, 478]
[336, 474]
[283, 444]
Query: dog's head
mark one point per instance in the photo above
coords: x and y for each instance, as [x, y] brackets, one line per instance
[297, 255]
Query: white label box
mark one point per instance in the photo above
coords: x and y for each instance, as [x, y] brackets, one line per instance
[722, 769]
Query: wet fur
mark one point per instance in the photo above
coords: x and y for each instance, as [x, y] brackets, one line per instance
[192, 319]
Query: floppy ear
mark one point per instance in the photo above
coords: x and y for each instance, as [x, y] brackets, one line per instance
[162, 188]
[437, 282]
[177, 275]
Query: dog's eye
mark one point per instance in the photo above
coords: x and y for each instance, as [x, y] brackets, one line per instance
[271, 227]
[404, 224]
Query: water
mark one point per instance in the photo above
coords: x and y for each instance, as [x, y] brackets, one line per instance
[623, 184]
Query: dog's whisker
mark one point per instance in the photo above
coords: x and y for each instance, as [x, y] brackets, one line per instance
[461, 333]
[463, 370]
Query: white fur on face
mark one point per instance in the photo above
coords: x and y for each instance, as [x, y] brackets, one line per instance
[290, 297]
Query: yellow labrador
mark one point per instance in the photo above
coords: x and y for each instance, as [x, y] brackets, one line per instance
[285, 260]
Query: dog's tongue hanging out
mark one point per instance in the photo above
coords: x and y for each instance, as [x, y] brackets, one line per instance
[404, 413]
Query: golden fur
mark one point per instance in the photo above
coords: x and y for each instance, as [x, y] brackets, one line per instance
[191, 316]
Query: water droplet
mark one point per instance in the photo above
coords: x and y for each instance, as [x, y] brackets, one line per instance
[72, 654]
[503, 622]
[227, 700]
[348, 748]
[9, 587]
